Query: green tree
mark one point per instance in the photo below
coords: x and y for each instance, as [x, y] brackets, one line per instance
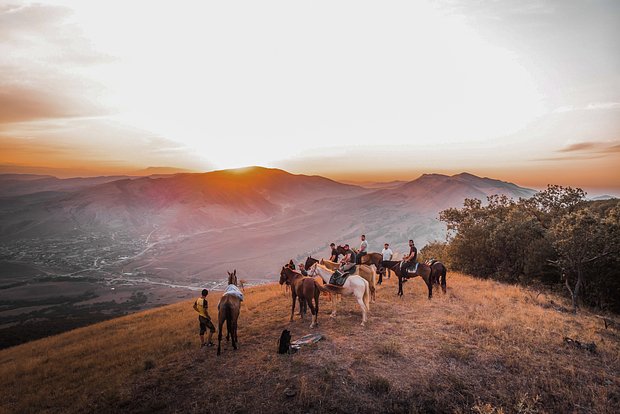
[582, 238]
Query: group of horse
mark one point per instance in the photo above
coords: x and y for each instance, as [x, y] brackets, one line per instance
[361, 283]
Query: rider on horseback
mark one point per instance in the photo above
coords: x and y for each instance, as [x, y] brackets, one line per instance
[363, 250]
[348, 261]
[411, 259]
[334, 254]
[346, 264]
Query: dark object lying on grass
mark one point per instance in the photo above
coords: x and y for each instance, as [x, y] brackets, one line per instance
[591, 347]
[284, 343]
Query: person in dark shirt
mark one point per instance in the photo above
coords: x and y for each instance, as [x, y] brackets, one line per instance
[334, 255]
[302, 269]
[411, 259]
[348, 261]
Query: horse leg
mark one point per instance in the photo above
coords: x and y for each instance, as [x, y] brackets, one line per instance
[335, 307]
[312, 309]
[234, 331]
[293, 308]
[360, 300]
[220, 325]
[317, 295]
[429, 284]
[400, 286]
[303, 306]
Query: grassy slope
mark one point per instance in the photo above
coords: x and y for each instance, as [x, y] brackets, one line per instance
[480, 348]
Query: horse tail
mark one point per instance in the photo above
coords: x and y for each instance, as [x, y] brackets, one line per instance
[373, 281]
[367, 295]
[444, 272]
[228, 314]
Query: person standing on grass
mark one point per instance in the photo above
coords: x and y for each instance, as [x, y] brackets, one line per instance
[387, 252]
[202, 307]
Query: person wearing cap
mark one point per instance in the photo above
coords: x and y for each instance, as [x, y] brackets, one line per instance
[202, 307]
[348, 261]
[387, 253]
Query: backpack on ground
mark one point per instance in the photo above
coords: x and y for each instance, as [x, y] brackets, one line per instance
[284, 344]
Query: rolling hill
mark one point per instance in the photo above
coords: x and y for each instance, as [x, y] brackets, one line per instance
[484, 347]
[199, 224]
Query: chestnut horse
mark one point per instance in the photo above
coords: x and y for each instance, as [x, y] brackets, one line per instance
[306, 288]
[228, 308]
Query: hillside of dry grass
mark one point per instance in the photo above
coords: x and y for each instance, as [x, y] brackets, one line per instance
[483, 347]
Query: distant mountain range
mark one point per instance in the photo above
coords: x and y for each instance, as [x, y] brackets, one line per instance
[252, 219]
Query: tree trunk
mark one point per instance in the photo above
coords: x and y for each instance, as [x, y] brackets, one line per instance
[577, 289]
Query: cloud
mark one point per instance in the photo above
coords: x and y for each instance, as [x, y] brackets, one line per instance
[22, 104]
[593, 147]
[592, 106]
[41, 54]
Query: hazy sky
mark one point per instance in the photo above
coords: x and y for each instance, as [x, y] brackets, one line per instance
[527, 91]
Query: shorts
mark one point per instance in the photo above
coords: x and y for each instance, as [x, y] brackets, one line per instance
[204, 324]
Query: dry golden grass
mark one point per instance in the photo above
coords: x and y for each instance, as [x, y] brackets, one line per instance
[484, 347]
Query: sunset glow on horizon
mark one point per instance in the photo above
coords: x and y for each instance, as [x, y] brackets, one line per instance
[527, 92]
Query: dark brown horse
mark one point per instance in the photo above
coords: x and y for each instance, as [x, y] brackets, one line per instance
[438, 275]
[228, 308]
[424, 271]
[306, 288]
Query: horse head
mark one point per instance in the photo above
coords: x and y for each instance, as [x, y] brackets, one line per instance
[283, 277]
[309, 262]
[232, 277]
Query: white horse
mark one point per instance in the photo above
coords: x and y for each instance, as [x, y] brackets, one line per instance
[354, 285]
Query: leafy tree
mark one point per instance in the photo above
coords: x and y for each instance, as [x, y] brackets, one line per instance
[581, 238]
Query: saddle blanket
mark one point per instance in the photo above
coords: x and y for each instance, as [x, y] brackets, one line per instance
[338, 278]
[413, 270]
[234, 291]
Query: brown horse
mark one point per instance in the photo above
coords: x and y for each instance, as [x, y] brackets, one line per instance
[423, 271]
[306, 288]
[228, 308]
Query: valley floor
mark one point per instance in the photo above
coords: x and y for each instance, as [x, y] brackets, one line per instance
[484, 347]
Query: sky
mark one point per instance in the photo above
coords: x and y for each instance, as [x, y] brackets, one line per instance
[525, 91]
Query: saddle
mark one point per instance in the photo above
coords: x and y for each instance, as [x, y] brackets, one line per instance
[431, 262]
[409, 269]
[339, 278]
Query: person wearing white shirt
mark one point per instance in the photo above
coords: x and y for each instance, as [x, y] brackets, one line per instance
[387, 252]
[363, 249]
